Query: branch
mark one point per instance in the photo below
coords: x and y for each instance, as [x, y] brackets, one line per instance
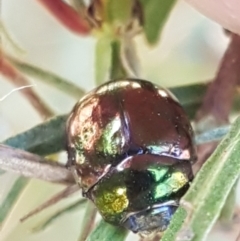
[219, 96]
[218, 99]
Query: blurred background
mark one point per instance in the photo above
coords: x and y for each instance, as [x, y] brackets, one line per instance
[189, 51]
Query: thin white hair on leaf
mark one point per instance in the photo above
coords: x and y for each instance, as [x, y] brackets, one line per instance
[16, 89]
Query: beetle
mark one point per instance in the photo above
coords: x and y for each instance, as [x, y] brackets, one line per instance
[130, 148]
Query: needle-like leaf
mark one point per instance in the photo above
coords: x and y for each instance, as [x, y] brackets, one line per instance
[209, 191]
[43, 139]
[107, 232]
[155, 13]
[11, 198]
[48, 77]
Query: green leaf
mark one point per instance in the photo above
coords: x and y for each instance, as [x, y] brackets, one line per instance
[155, 14]
[118, 11]
[13, 195]
[210, 188]
[175, 225]
[107, 232]
[103, 59]
[227, 212]
[48, 78]
[190, 96]
[43, 139]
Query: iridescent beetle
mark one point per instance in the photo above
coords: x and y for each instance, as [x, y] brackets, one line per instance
[130, 147]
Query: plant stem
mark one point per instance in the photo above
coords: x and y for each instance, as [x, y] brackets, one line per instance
[117, 68]
[218, 99]
[219, 96]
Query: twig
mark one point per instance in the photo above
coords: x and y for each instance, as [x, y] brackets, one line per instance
[218, 99]
[34, 166]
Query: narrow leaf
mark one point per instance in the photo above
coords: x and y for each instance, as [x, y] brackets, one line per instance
[48, 78]
[190, 97]
[107, 232]
[175, 225]
[227, 212]
[43, 139]
[155, 14]
[210, 188]
[13, 195]
[189, 94]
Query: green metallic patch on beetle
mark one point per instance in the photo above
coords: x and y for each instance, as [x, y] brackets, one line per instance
[172, 184]
[131, 190]
[113, 202]
[111, 140]
[158, 173]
